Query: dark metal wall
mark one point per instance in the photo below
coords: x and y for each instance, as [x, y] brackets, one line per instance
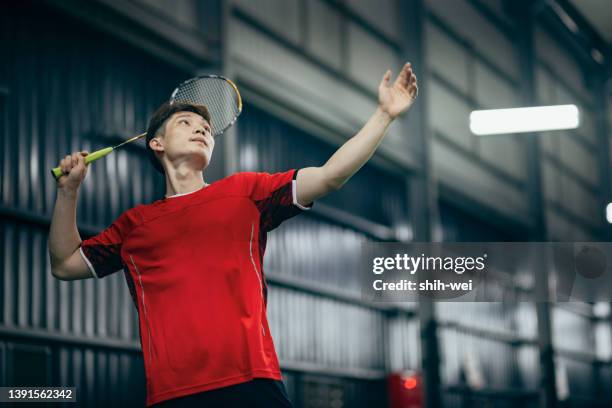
[66, 87]
[471, 333]
[461, 226]
[509, 332]
[570, 190]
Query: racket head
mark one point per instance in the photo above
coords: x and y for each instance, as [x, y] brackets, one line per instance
[219, 94]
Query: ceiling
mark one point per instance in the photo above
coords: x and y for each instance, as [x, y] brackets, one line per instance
[599, 14]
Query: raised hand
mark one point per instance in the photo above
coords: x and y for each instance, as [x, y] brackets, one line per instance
[397, 98]
[74, 169]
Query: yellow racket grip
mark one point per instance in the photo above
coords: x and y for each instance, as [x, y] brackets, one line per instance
[98, 154]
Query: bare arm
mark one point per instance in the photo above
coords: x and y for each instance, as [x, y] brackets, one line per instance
[315, 182]
[64, 238]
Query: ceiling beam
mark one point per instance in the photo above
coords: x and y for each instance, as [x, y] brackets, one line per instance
[575, 30]
[135, 24]
[586, 28]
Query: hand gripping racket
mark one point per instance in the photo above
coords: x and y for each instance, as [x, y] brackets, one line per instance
[217, 93]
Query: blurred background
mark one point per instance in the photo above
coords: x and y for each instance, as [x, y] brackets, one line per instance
[82, 75]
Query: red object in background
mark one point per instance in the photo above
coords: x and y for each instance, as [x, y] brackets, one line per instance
[405, 390]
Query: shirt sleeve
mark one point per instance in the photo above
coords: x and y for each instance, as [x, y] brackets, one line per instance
[276, 197]
[102, 253]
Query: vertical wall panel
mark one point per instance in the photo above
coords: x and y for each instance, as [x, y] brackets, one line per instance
[469, 74]
[403, 349]
[466, 175]
[575, 332]
[325, 25]
[183, 11]
[68, 93]
[283, 16]
[369, 58]
[447, 58]
[565, 95]
[581, 201]
[316, 330]
[466, 20]
[382, 14]
[506, 152]
[471, 332]
[545, 86]
[7, 278]
[32, 298]
[55, 108]
[609, 120]
[603, 331]
[578, 158]
[339, 93]
[492, 92]
[453, 123]
[573, 180]
[311, 249]
[553, 54]
[257, 60]
[572, 331]
[579, 377]
[497, 7]
[463, 352]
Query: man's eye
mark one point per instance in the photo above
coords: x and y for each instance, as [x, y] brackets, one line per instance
[184, 121]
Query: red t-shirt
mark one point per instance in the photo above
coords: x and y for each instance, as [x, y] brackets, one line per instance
[193, 264]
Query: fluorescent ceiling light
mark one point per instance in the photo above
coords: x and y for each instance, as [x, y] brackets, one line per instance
[609, 213]
[520, 120]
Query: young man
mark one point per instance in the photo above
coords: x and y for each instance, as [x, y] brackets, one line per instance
[193, 260]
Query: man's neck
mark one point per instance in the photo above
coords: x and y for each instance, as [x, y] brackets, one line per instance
[183, 181]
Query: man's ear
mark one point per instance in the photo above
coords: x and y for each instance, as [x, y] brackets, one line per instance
[156, 144]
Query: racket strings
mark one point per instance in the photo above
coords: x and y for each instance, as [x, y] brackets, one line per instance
[217, 95]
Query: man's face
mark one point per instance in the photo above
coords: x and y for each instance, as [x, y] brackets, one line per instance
[186, 139]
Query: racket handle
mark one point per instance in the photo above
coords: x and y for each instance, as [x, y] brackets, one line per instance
[98, 154]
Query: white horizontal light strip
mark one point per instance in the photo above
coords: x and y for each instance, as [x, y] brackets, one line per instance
[520, 120]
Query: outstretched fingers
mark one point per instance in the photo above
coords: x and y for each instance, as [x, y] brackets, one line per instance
[413, 87]
[410, 81]
[406, 81]
[413, 91]
[404, 76]
[385, 80]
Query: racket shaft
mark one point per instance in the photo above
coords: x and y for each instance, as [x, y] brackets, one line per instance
[91, 157]
[98, 154]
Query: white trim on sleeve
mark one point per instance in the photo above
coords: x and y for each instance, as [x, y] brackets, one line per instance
[294, 193]
[91, 268]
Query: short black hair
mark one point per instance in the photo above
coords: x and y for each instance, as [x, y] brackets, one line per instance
[158, 119]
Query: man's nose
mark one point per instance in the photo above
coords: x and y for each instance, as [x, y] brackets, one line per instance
[202, 130]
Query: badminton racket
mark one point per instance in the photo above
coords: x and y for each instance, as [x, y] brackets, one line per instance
[219, 94]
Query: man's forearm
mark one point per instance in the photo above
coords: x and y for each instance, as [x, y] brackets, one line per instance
[353, 154]
[64, 236]
[393, 100]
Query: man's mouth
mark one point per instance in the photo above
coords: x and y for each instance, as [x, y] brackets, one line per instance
[200, 140]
